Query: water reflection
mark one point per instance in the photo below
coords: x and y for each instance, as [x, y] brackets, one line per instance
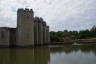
[25, 56]
[73, 55]
[4, 56]
[42, 55]
[49, 55]
[70, 49]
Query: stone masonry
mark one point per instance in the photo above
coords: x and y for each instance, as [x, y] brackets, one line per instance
[25, 27]
[30, 30]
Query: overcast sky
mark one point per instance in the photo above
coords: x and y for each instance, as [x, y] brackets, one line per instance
[59, 14]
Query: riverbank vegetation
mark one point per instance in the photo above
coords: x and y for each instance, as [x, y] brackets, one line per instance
[71, 36]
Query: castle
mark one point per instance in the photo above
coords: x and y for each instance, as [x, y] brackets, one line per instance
[30, 31]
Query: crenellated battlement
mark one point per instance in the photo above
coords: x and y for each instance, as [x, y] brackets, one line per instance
[36, 19]
[25, 12]
[44, 23]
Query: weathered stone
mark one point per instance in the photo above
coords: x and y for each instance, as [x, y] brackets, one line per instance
[4, 36]
[30, 30]
[25, 28]
[7, 36]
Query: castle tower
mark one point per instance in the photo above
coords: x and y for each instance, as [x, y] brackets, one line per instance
[38, 31]
[41, 31]
[47, 35]
[36, 39]
[44, 32]
[25, 27]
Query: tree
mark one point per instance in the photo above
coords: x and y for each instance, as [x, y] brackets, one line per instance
[82, 34]
[93, 31]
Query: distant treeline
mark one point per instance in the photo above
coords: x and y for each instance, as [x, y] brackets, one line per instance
[82, 34]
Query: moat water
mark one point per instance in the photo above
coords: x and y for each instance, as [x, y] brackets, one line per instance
[81, 54]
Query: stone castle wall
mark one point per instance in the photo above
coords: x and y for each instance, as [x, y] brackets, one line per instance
[4, 36]
[30, 30]
[7, 36]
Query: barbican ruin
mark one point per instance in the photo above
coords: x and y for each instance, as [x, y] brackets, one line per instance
[30, 31]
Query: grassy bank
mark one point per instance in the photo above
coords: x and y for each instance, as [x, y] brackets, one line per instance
[89, 40]
[85, 41]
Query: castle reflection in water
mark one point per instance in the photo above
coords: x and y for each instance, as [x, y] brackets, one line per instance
[25, 56]
[42, 55]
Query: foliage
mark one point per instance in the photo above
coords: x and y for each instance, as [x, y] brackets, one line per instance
[82, 34]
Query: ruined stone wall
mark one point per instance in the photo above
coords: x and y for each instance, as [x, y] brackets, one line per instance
[25, 27]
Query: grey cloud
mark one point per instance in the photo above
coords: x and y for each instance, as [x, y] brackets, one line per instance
[59, 14]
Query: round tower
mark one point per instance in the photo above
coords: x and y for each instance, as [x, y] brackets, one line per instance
[25, 27]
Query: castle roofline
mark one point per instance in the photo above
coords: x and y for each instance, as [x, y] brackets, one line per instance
[26, 9]
[7, 28]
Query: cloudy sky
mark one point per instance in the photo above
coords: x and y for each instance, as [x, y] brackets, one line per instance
[59, 14]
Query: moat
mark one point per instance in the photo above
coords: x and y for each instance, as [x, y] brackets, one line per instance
[67, 54]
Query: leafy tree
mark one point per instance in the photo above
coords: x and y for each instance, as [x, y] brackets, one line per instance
[82, 34]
